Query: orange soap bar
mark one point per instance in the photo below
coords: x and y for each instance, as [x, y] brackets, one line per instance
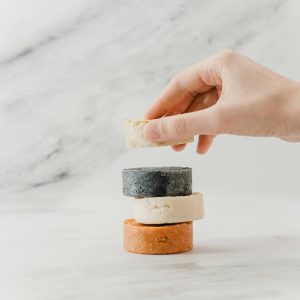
[158, 239]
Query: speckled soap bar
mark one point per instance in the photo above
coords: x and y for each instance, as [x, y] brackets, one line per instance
[157, 182]
[157, 239]
[134, 133]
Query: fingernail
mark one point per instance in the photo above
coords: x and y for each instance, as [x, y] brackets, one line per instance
[151, 131]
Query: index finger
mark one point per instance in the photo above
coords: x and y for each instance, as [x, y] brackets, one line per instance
[183, 88]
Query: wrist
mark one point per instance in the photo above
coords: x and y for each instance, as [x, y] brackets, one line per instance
[291, 112]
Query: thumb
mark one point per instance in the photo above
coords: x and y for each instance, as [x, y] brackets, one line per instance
[183, 126]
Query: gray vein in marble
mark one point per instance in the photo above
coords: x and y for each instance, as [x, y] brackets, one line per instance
[56, 178]
[140, 48]
[81, 20]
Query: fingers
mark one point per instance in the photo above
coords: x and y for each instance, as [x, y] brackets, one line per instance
[204, 100]
[204, 143]
[183, 126]
[181, 91]
[178, 148]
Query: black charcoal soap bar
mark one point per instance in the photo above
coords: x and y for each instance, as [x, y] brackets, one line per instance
[157, 181]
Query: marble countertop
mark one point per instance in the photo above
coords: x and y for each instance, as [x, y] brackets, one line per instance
[70, 72]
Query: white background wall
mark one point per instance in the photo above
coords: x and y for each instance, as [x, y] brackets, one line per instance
[71, 71]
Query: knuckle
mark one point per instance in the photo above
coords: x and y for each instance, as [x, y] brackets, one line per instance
[163, 128]
[175, 80]
[179, 125]
[227, 56]
[179, 82]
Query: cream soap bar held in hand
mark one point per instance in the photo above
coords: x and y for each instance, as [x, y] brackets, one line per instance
[134, 132]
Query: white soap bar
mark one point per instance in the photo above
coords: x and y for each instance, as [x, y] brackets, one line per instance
[163, 210]
[134, 133]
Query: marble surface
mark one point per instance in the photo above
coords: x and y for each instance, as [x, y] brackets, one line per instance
[70, 72]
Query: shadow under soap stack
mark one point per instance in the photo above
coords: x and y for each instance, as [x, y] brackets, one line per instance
[165, 208]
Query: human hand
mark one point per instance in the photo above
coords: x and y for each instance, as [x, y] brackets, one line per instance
[225, 94]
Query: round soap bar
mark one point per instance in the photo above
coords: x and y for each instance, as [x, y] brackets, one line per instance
[134, 133]
[157, 182]
[163, 210]
[157, 239]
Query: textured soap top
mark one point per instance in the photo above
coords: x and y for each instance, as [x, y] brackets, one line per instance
[157, 181]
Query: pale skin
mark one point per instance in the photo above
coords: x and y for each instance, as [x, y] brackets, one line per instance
[225, 94]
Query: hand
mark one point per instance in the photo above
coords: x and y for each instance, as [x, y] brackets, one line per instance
[225, 94]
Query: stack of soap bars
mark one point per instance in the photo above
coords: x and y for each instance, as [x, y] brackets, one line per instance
[165, 208]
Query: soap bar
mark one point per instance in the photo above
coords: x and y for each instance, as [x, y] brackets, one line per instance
[162, 210]
[134, 133]
[157, 181]
[157, 239]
